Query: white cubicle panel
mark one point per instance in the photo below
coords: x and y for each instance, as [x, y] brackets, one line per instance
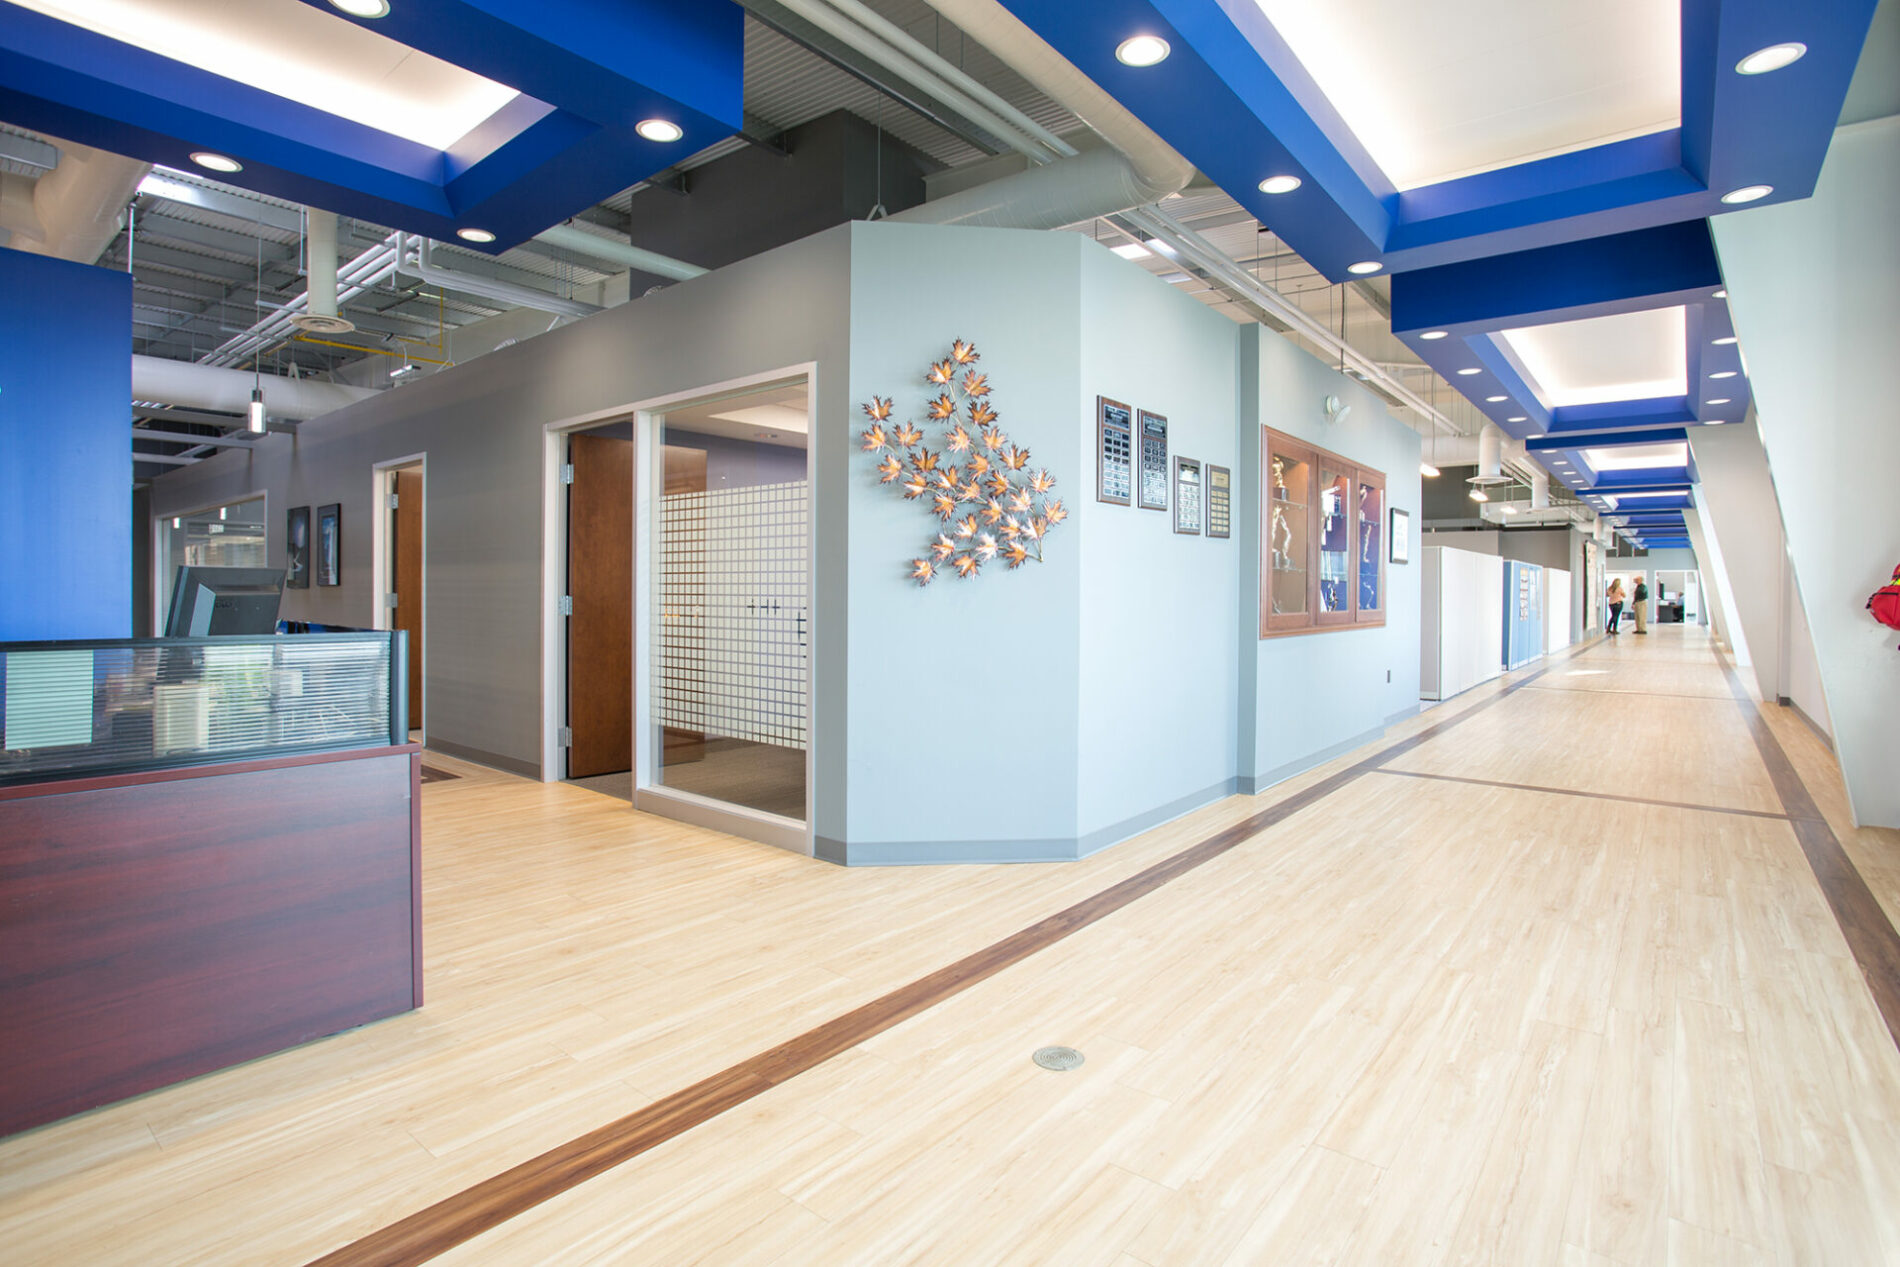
[1461, 634]
[1556, 610]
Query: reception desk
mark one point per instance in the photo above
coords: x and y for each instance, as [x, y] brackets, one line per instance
[251, 882]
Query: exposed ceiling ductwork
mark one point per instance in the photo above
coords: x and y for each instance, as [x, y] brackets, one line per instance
[74, 211]
[191, 386]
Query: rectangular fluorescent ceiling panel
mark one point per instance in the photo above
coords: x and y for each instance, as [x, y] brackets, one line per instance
[1449, 89]
[307, 55]
[1631, 356]
[1638, 457]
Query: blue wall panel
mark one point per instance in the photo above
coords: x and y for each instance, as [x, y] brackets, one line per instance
[1523, 613]
[65, 450]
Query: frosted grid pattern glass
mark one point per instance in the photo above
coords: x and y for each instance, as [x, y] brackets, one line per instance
[734, 613]
[73, 708]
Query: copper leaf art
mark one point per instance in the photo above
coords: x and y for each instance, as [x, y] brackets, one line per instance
[988, 503]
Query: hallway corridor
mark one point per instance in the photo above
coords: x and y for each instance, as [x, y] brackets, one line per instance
[1544, 977]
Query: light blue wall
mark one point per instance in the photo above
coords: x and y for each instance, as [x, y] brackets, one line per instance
[962, 697]
[65, 450]
[1523, 631]
[1159, 657]
[1315, 695]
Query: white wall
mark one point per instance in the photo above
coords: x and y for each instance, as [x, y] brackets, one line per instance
[1557, 631]
[1810, 288]
[1740, 511]
[1464, 601]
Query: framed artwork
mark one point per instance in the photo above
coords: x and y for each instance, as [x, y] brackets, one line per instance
[1400, 535]
[1187, 496]
[1220, 502]
[330, 544]
[297, 548]
[1114, 451]
[1153, 486]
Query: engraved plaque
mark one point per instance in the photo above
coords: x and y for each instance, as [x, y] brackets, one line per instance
[1220, 502]
[1114, 451]
[1154, 460]
[1187, 496]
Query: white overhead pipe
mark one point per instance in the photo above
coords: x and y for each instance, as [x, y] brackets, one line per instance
[1102, 182]
[413, 257]
[320, 315]
[367, 269]
[1540, 489]
[880, 50]
[1490, 457]
[581, 242]
[72, 212]
[189, 385]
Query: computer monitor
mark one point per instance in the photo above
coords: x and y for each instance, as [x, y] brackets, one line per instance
[209, 602]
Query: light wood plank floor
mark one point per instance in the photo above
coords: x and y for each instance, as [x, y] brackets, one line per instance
[1421, 1021]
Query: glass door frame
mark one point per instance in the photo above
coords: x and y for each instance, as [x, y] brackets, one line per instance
[649, 468]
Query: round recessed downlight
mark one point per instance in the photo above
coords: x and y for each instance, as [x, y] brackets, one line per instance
[665, 131]
[1713, 422]
[475, 235]
[1142, 50]
[1434, 334]
[1279, 184]
[1719, 400]
[1364, 266]
[216, 162]
[1720, 294]
[1495, 400]
[1722, 343]
[362, 8]
[1774, 57]
[1519, 418]
[1470, 369]
[1723, 374]
[1747, 193]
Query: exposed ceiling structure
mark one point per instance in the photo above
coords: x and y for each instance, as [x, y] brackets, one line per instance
[1490, 212]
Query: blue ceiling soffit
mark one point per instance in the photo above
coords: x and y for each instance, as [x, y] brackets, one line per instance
[1233, 99]
[588, 71]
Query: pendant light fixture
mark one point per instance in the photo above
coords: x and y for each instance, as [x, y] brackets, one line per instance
[254, 415]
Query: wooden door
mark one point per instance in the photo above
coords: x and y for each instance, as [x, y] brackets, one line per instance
[406, 530]
[600, 581]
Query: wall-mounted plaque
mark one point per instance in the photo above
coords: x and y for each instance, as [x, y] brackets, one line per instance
[1400, 535]
[1187, 496]
[1114, 451]
[1220, 502]
[1154, 460]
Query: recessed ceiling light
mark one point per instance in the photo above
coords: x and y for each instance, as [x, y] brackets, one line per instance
[1519, 418]
[665, 131]
[1434, 334]
[1747, 193]
[1364, 266]
[1492, 400]
[380, 9]
[1279, 184]
[1763, 60]
[475, 235]
[216, 162]
[1719, 400]
[1478, 495]
[1713, 422]
[1508, 510]
[1470, 370]
[1720, 294]
[1722, 343]
[1131, 250]
[1142, 50]
[1723, 374]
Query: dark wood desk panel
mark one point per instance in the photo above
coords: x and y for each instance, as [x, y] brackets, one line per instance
[168, 924]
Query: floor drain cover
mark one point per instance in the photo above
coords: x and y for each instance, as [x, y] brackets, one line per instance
[1060, 1059]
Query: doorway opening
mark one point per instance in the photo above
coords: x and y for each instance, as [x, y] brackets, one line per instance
[598, 603]
[401, 556]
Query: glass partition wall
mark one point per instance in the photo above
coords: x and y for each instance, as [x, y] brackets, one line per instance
[229, 536]
[727, 565]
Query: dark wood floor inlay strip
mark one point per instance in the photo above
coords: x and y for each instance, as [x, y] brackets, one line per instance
[436, 1229]
[1595, 796]
[1870, 935]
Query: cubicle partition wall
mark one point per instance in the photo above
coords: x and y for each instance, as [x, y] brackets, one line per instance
[209, 851]
[1462, 611]
[1523, 625]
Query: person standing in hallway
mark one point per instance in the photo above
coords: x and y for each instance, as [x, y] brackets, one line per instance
[1615, 596]
[1640, 602]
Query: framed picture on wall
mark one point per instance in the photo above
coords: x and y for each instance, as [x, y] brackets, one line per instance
[330, 544]
[1400, 535]
[297, 548]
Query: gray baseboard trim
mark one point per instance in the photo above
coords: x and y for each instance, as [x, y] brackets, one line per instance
[493, 760]
[1813, 725]
[927, 853]
[1255, 784]
[1405, 714]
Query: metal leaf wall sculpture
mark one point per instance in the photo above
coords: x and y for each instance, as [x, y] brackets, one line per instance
[987, 501]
